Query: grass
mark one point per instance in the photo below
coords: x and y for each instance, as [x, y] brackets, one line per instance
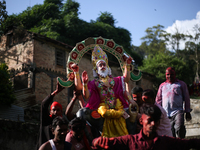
[194, 97]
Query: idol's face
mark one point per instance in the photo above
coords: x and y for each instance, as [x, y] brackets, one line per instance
[102, 69]
[101, 66]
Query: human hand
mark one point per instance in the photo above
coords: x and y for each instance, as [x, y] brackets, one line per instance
[129, 60]
[75, 67]
[84, 77]
[59, 88]
[126, 115]
[134, 105]
[100, 143]
[188, 116]
[75, 94]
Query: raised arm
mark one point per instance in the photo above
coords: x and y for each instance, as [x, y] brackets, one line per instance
[127, 70]
[86, 92]
[70, 106]
[77, 79]
[47, 102]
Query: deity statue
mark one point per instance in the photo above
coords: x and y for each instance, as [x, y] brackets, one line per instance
[105, 93]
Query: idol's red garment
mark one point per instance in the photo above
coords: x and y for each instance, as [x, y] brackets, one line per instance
[137, 142]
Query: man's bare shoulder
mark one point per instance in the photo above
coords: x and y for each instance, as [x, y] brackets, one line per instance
[46, 146]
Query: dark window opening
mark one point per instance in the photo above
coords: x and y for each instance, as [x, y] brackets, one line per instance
[60, 58]
[9, 40]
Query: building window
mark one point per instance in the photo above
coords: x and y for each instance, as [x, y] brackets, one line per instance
[9, 40]
[60, 58]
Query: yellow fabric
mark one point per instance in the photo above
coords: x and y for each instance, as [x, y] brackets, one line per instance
[114, 124]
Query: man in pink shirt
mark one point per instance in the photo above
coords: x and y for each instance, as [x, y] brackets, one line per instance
[171, 95]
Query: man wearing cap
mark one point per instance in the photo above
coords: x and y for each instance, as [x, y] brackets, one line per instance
[171, 95]
[46, 116]
[105, 93]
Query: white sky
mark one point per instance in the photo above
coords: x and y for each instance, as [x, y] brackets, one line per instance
[185, 27]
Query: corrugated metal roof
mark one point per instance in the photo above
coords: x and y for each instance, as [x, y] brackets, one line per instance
[14, 113]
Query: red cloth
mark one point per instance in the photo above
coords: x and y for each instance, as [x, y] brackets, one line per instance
[138, 142]
[94, 100]
[56, 104]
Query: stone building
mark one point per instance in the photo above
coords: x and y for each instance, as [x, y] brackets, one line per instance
[35, 62]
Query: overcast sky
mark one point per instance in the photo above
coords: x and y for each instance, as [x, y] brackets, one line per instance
[134, 15]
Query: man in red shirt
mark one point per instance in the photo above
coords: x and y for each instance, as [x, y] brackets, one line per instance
[147, 138]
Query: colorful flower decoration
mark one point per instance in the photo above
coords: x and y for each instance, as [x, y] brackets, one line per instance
[70, 64]
[100, 41]
[74, 55]
[119, 50]
[80, 47]
[110, 44]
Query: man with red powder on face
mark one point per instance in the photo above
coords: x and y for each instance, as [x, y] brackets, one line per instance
[171, 95]
[46, 116]
[147, 139]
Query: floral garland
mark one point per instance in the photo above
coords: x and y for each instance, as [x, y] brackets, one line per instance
[108, 92]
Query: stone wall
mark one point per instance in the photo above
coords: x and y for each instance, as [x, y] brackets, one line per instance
[18, 135]
[193, 126]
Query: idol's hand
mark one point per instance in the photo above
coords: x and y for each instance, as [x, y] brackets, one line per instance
[129, 60]
[85, 77]
[75, 67]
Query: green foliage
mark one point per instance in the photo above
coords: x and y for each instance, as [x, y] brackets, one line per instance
[107, 18]
[153, 44]
[61, 22]
[7, 96]
[157, 65]
[137, 54]
[56, 2]
[70, 7]
[3, 16]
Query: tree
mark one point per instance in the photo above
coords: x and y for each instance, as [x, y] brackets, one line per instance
[3, 16]
[138, 55]
[56, 2]
[175, 39]
[63, 24]
[153, 42]
[157, 65]
[106, 17]
[7, 96]
[194, 46]
[70, 7]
